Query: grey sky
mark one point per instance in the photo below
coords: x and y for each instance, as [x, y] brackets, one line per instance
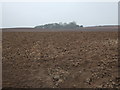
[85, 13]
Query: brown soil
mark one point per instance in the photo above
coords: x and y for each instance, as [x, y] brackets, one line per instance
[60, 59]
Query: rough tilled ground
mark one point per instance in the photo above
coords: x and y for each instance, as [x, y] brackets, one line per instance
[60, 59]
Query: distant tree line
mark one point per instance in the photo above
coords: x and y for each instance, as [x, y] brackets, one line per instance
[71, 25]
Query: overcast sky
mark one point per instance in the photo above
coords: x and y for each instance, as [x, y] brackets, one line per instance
[16, 14]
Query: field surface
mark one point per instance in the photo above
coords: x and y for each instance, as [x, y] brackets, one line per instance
[60, 59]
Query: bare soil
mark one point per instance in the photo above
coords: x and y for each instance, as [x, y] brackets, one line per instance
[60, 59]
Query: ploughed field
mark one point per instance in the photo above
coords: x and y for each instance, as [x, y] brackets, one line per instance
[60, 59]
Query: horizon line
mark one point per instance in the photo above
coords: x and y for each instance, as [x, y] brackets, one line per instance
[34, 26]
[59, 22]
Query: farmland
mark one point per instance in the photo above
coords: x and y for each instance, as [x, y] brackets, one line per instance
[60, 59]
